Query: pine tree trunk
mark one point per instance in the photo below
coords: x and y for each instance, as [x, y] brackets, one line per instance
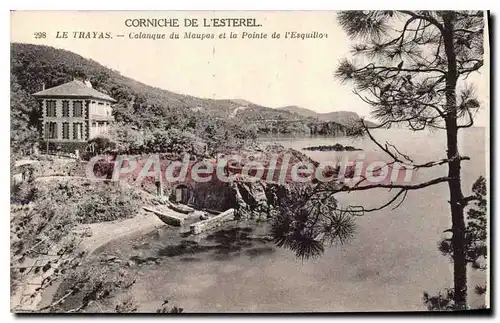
[455, 182]
[457, 216]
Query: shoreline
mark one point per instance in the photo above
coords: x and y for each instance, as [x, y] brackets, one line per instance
[104, 233]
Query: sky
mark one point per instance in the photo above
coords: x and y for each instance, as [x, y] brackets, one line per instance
[270, 72]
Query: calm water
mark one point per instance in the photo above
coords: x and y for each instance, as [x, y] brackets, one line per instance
[390, 263]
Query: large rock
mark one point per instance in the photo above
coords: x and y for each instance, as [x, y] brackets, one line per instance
[258, 199]
[251, 198]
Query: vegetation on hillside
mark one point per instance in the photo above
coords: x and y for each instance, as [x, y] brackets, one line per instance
[140, 107]
[45, 236]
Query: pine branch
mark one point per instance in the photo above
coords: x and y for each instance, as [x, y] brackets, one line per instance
[429, 19]
[59, 301]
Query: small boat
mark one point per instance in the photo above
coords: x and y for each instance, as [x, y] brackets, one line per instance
[166, 216]
[181, 208]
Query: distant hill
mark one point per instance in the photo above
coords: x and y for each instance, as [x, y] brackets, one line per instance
[343, 117]
[300, 111]
[242, 102]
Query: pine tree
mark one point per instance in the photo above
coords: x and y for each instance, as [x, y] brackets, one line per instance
[411, 68]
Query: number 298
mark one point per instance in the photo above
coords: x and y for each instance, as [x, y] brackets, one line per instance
[40, 34]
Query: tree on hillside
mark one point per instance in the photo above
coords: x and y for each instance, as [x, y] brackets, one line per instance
[411, 67]
[24, 117]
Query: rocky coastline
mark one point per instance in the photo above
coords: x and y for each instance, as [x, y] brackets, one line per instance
[336, 147]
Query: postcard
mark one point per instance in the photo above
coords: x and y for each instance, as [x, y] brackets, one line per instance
[249, 161]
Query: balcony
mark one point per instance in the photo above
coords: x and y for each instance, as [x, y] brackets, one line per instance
[100, 117]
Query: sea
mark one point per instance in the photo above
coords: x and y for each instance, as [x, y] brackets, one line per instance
[390, 262]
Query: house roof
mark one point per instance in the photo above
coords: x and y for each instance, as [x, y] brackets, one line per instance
[74, 88]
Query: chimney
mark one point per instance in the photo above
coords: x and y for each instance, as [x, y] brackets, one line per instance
[87, 83]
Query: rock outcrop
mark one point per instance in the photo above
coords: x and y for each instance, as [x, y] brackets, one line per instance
[258, 199]
[336, 147]
[248, 196]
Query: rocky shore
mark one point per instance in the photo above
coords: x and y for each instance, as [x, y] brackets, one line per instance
[336, 147]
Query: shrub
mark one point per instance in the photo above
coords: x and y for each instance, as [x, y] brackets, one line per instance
[23, 193]
[88, 284]
[107, 205]
[35, 230]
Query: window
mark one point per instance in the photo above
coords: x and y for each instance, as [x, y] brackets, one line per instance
[77, 109]
[77, 130]
[51, 130]
[65, 108]
[51, 108]
[108, 110]
[100, 109]
[65, 130]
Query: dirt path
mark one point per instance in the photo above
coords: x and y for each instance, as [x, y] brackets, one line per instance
[105, 232]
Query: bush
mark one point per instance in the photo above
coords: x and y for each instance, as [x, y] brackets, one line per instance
[107, 205]
[23, 193]
[101, 144]
[91, 283]
[35, 230]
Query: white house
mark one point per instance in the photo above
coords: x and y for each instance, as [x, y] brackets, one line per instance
[73, 113]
